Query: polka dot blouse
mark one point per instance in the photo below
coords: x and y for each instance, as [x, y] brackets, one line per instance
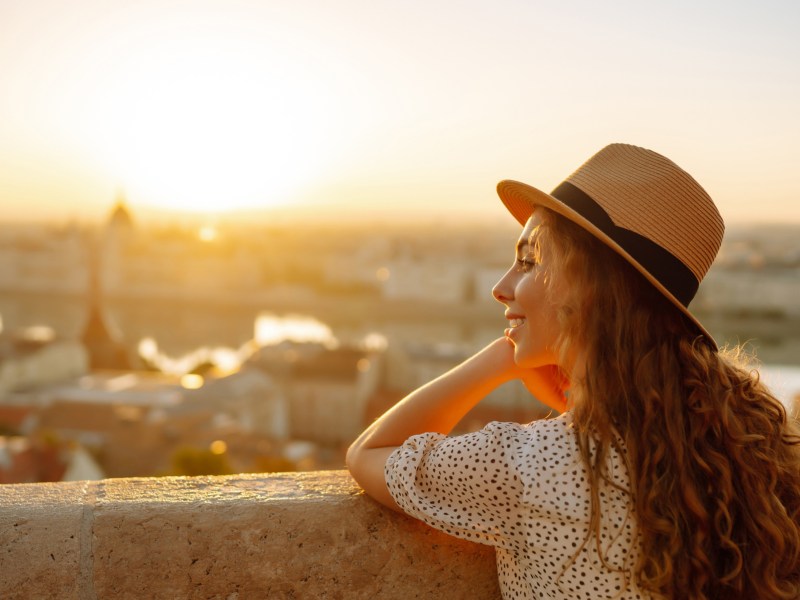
[524, 490]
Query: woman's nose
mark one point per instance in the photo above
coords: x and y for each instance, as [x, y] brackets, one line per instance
[502, 290]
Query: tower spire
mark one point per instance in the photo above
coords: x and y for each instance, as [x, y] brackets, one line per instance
[105, 350]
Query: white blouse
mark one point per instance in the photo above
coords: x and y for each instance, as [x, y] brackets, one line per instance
[524, 489]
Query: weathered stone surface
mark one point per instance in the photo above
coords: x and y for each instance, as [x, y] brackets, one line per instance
[40, 540]
[306, 535]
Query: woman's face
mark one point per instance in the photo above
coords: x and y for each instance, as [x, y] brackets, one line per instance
[533, 326]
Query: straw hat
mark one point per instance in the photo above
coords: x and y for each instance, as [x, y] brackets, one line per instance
[644, 207]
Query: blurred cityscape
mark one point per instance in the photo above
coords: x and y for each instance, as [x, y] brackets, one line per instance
[135, 349]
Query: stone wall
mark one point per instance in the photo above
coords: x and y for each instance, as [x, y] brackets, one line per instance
[304, 535]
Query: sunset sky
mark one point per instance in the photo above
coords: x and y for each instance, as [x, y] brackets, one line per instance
[375, 108]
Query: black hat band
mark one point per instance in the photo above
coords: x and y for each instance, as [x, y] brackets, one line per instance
[664, 266]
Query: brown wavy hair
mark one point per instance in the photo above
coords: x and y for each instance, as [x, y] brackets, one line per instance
[713, 459]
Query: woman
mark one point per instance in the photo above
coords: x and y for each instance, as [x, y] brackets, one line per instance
[672, 472]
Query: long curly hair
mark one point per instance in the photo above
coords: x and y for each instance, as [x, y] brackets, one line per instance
[713, 458]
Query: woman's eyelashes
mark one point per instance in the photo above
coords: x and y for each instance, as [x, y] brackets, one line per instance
[526, 263]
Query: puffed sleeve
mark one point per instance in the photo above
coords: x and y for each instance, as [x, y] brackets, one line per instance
[467, 486]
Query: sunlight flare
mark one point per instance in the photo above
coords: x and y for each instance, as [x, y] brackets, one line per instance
[189, 129]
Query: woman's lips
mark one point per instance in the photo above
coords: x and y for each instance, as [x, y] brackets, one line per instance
[514, 324]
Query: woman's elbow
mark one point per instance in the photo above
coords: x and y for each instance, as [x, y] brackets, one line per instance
[352, 457]
[366, 466]
[356, 463]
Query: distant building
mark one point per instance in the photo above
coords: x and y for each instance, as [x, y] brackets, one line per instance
[751, 292]
[105, 348]
[249, 398]
[42, 259]
[115, 243]
[328, 390]
[120, 226]
[135, 420]
[361, 269]
[485, 279]
[407, 278]
[34, 357]
[111, 413]
[26, 460]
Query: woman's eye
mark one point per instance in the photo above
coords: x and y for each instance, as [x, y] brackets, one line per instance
[526, 264]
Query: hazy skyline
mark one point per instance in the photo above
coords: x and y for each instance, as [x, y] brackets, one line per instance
[358, 107]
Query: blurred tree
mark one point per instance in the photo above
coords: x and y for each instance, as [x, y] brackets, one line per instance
[200, 461]
[7, 430]
[272, 464]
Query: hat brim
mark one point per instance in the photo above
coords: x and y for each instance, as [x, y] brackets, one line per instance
[521, 199]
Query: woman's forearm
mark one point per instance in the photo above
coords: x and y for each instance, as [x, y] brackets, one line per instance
[439, 405]
[435, 407]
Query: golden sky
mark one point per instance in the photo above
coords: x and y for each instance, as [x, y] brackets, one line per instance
[370, 107]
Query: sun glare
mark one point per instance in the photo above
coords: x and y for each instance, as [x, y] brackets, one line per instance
[271, 329]
[207, 233]
[187, 129]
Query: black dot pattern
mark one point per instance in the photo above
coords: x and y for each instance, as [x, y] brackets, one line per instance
[524, 490]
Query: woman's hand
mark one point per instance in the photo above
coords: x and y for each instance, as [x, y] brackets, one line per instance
[547, 383]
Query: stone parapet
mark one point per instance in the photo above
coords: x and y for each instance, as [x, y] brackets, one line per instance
[288, 535]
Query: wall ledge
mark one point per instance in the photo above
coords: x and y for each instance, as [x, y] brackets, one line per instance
[287, 535]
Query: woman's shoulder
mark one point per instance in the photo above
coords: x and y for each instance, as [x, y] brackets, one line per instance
[549, 438]
[550, 428]
[558, 425]
[552, 444]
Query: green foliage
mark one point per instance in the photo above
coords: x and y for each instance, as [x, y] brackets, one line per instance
[272, 464]
[199, 461]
